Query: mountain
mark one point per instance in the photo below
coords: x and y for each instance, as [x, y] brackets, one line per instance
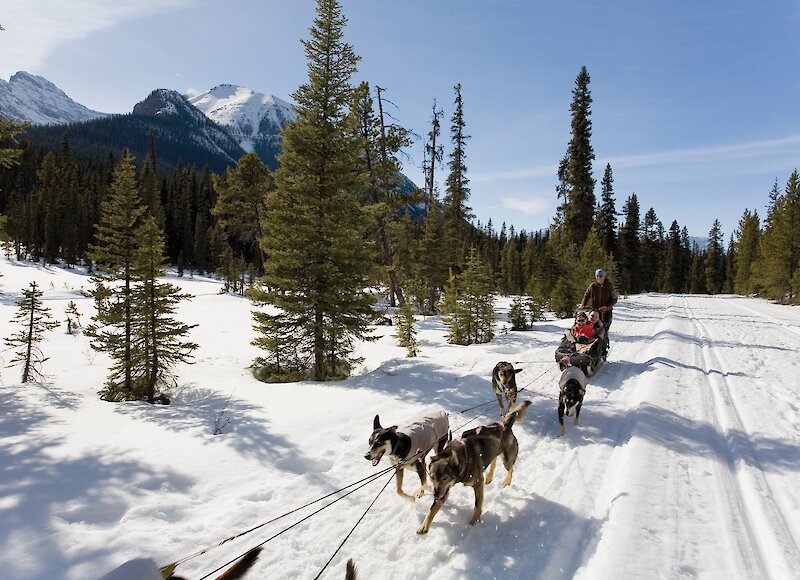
[180, 132]
[27, 97]
[255, 120]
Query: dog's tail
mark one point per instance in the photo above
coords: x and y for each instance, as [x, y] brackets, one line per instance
[240, 568]
[517, 413]
[352, 573]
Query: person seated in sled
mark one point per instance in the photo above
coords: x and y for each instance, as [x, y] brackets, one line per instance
[582, 332]
[599, 328]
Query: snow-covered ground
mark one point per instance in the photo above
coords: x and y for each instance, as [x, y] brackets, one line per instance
[685, 465]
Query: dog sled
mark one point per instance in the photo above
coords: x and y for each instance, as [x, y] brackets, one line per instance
[586, 354]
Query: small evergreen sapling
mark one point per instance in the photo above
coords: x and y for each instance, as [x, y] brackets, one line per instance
[35, 320]
[517, 315]
[73, 317]
[405, 332]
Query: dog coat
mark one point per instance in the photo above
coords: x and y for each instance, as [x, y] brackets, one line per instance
[425, 431]
[572, 373]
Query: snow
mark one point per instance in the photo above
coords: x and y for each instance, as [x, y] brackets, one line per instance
[684, 464]
[27, 97]
[243, 111]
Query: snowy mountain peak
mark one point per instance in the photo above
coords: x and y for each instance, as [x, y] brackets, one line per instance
[27, 97]
[254, 119]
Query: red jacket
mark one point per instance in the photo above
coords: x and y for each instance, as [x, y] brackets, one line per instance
[586, 330]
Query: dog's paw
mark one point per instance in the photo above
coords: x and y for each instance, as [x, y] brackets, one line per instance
[409, 497]
[419, 493]
[475, 519]
[423, 529]
[507, 480]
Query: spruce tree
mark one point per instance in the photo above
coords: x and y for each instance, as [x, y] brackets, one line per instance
[471, 315]
[35, 320]
[73, 317]
[518, 314]
[606, 223]
[575, 171]
[715, 259]
[319, 266]
[113, 252]
[747, 237]
[630, 248]
[405, 333]
[456, 211]
[432, 266]
[158, 340]
[779, 254]
[242, 206]
[672, 272]
[651, 249]
[9, 156]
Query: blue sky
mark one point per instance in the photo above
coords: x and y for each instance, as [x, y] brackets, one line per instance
[695, 103]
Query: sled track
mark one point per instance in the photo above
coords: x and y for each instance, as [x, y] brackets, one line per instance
[775, 548]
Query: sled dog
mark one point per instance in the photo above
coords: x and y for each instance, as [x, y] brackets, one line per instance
[572, 388]
[464, 460]
[409, 444]
[504, 383]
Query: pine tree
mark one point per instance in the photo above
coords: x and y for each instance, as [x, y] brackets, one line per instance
[715, 259]
[672, 272]
[432, 267]
[747, 237]
[381, 142]
[779, 254]
[518, 314]
[158, 340]
[405, 333]
[73, 317]
[606, 223]
[575, 171]
[319, 266]
[452, 314]
[113, 252]
[241, 207]
[651, 249]
[35, 320]
[471, 316]
[9, 156]
[456, 211]
[630, 247]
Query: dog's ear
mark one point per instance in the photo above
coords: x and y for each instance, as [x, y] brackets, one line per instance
[393, 428]
[376, 423]
[518, 371]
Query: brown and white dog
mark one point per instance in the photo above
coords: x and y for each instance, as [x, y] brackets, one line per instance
[504, 383]
[410, 444]
[464, 460]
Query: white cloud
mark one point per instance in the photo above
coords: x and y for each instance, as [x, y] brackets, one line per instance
[36, 29]
[528, 205]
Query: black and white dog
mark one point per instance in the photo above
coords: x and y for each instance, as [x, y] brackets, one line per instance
[504, 383]
[572, 388]
[409, 444]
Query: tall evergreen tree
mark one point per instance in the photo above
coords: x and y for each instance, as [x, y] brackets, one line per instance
[456, 211]
[432, 158]
[242, 206]
[319, 266]
[651, 249]
[606, 223]
[715, 259]
[576, 170]
[35, 320]
[780, 244]
[405, 333]
[672, 272]
[747, 238]
[630, 247]
[381, 143]
[113, 252]
[158, 339]
[9, 155]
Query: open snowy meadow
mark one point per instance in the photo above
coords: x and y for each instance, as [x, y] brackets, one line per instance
[685, 464]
